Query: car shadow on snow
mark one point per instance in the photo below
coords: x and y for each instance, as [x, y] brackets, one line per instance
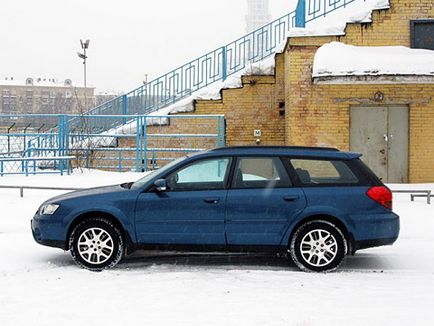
[367, 262]
[361, 262]
[144, 259]
[269, 262]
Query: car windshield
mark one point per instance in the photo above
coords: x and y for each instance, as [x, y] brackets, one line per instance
[140, 183]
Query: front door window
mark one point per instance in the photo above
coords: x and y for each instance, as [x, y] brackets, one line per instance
[208, 174]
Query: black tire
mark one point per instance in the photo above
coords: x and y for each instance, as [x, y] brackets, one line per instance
[96, 254]
[318, 254]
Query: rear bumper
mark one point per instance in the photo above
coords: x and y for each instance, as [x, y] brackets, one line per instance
[364, 244]
[376, 230]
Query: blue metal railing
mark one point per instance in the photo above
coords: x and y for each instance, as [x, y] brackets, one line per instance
[320, 8]
[35, 165]
[147, 142]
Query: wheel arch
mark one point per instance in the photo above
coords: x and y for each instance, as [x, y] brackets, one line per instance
[328, 218]
[108, 216]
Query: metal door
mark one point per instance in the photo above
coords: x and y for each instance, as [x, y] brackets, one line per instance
[381, 134]
[397, 142]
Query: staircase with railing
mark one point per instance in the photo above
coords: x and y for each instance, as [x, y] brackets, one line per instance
[216, 65]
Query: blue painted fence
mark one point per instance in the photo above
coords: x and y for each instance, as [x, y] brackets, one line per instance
[45, 143]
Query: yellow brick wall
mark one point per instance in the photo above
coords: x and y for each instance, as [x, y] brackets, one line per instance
[319, 113]
[254, 106]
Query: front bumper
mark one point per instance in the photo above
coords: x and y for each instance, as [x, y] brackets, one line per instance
[48, 232]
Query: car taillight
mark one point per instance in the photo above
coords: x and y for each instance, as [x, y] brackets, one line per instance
[381, 195]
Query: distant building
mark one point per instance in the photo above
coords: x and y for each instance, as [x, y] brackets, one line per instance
[102, 97]
[44, 96]
[258, 14]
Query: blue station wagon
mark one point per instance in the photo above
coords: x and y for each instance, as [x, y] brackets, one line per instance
[316, 205]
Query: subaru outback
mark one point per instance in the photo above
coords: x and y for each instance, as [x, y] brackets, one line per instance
[315, 205]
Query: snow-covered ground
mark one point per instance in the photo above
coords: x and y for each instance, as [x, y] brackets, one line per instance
[42, 286]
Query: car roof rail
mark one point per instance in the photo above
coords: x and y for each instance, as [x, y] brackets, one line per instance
[278, 147]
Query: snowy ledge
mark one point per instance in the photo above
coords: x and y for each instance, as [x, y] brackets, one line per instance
[383, 79]
[341, 60]
[334, 23]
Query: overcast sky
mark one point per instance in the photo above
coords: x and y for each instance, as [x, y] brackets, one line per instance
[129, 38]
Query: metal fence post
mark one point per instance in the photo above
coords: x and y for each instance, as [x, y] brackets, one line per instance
[219, 132]
[124, 108]
[145, 145]
[138, 130]
[224, 63]
[68, 167]
[61, 166]
[60, 135]
[66, 135]
[223, 131]
[300, 14]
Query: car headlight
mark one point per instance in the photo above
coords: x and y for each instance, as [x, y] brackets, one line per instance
[48, 209]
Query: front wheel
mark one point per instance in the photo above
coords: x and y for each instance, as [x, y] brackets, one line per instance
[96, 244]
[318, 246]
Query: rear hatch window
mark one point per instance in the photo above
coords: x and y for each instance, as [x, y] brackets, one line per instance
[312, 172]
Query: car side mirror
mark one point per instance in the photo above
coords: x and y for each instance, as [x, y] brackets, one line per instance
[160, 185]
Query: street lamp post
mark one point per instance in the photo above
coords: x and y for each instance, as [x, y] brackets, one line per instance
[84, 46]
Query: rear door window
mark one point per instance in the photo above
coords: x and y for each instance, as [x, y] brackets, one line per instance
[260, 172]
[311, 172]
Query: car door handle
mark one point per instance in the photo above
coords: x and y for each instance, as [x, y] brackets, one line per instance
[211, 200]
[291, 198]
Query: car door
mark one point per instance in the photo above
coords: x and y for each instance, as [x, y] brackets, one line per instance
[191, 211]
[261, 202]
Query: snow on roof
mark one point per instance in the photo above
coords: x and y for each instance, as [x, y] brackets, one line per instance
[338, 59]
[334, 23]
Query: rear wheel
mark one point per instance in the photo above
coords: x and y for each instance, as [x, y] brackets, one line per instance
[96, 244]
[318, 246]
